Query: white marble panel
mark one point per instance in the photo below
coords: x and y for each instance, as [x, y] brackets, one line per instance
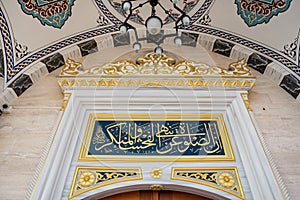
[239, 52]
[207, 42]
[275, 72]
[7, 96]
[104, 42]
[72, 52]
[37, 71]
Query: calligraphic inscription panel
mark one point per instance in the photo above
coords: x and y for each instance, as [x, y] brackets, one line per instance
[192, 137]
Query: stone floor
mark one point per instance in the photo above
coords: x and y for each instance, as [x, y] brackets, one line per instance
[25, 131]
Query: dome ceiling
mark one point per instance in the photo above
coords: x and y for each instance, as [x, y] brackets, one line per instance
[32, 30]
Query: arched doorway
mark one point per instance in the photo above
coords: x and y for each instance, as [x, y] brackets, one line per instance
[154, 195]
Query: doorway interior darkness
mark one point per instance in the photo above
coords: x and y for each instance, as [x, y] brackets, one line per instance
[154, 195]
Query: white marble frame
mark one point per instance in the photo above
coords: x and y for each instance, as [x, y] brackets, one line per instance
[256, 173]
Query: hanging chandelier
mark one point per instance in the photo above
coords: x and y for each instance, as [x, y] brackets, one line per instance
[154, 24]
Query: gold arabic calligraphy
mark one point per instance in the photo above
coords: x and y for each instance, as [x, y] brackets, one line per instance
[157, 138]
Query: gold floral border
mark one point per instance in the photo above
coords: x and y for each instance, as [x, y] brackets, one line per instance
[225, 179]
[90, 178]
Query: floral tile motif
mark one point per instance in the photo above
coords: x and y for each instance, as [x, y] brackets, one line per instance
[49, 12]
[260, 11]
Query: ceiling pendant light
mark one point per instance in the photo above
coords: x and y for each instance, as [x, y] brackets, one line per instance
[123, 29]
[158, 50]
[136, 46]
[126, 5]
[153, 25]
[186, 20]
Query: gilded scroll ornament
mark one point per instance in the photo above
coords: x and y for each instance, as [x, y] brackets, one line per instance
[156, 187]
[151, 70]
[71, 67]
[90, 178]
[225, 179]
[151, 64]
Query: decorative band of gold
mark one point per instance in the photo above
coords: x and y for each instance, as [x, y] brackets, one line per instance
[221, 83]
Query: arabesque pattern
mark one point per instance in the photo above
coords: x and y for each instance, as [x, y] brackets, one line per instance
[258, 12]
[51, 13]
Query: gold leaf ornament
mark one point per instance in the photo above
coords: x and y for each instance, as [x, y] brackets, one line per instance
[156, 173]
[86, 179]
[226, 179]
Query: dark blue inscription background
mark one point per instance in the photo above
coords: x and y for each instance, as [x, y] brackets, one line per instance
[156, 138]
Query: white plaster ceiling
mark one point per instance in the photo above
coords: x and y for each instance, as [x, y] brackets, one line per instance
[279, 31]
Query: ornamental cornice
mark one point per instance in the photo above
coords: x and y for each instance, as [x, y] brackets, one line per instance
[151, 70]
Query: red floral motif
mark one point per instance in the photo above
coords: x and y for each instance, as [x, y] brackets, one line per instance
[261, 8]
[54, 14]
[257, 12]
